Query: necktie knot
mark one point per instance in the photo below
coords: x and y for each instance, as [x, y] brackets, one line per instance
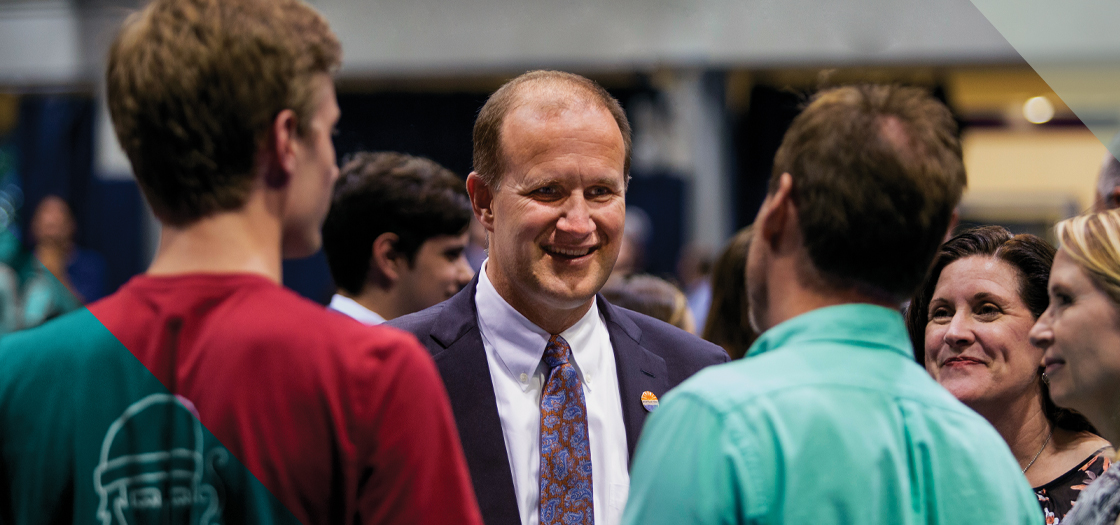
[557, 352]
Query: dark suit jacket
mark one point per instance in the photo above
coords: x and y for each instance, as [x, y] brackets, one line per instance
[649, 354]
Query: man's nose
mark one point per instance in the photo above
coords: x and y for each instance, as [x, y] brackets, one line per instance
[576, 217]
[464, 272]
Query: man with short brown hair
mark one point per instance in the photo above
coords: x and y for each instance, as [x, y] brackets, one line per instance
[829, 419]
[203, 391]
[395, 236]
[549, 382]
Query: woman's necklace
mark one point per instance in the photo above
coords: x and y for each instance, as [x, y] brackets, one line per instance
[1039, 453]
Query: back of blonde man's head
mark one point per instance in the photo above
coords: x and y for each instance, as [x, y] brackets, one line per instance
[193, 86]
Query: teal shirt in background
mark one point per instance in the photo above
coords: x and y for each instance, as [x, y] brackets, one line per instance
[827, 421]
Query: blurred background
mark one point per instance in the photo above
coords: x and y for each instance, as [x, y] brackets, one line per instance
[709, 85]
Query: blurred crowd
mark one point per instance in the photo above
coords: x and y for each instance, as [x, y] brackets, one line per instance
[495, 352]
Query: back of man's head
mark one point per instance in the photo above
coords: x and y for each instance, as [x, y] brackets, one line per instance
[194, 85]
[1108, 183]
[877, 172]
[552, 89]
[412, 197]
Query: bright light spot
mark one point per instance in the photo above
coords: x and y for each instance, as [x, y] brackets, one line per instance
[1038, 110]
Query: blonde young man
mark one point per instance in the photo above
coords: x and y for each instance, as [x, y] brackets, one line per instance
[203, 391]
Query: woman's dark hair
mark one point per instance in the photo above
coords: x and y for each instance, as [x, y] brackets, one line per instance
[728, 325]
[1031, 257]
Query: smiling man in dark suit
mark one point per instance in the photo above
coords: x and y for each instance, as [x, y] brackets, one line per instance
[550, 384]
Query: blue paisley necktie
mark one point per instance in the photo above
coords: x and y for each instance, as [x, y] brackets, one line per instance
[566, 497]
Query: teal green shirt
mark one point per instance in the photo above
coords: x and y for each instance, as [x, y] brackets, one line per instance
[828, 420]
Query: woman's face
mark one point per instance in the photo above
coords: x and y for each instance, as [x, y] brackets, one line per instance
[977, 343]
[1080, 332]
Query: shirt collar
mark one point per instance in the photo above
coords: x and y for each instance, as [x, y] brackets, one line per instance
[519, 344]
[353, 309]
[868, 325]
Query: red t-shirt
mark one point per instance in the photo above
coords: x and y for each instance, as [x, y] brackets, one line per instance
[343, 423]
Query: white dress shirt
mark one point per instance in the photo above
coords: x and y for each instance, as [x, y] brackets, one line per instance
[514, 348]
[352, 308]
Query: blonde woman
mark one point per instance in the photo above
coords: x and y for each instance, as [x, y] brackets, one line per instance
[1080, 332]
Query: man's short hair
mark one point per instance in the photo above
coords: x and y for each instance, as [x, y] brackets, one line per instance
[1109, 178]
[489, 160]
[877, 172]
[413, 197]
[194, 86]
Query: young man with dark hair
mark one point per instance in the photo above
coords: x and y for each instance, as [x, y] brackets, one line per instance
[395, 236]
[829, 420]
[203, 391]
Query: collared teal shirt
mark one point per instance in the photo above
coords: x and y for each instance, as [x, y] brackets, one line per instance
[828, 420]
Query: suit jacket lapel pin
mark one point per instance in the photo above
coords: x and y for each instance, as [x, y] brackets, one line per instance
[649, 401]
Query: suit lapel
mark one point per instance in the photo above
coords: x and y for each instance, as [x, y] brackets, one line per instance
[466, 375]
[639, 370]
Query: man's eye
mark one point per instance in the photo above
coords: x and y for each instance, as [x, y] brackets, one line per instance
[546, 192]
[599, 191]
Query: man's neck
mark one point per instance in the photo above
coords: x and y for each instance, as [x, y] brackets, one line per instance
[551, 319]
[377, 300]
[789, 297]
[247, 240]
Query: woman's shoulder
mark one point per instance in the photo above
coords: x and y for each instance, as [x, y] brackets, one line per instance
[1091, 456]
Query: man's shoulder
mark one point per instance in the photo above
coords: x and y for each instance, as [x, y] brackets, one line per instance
[676, 346]
[58, 339]
[418, 323]
[809, 377]
[246, 314]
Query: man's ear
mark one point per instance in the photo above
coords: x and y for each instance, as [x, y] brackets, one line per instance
[777, 214]
[282, 145]
[386, 260]
[954, 220]
[482, 200]
[1112, 200]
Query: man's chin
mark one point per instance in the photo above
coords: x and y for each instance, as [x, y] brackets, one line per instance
[570, 298]
[302, 246]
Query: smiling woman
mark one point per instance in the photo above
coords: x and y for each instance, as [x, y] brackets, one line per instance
[970, 325]
[1080, 332]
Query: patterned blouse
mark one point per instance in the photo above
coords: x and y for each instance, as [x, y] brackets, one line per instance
[1057, 497]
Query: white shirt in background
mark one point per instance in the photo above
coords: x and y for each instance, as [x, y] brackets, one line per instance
[350, 307]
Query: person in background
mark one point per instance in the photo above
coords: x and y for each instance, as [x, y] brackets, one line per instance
[1108, 181]
[549, 382]
[635, 237]
[829, 420]
[969, 323]
[695, 270]
[476, 245]
[74, 276]
[728, 324]
[395, 236]
[1080, 335]
[203, 391]
[652, 296]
